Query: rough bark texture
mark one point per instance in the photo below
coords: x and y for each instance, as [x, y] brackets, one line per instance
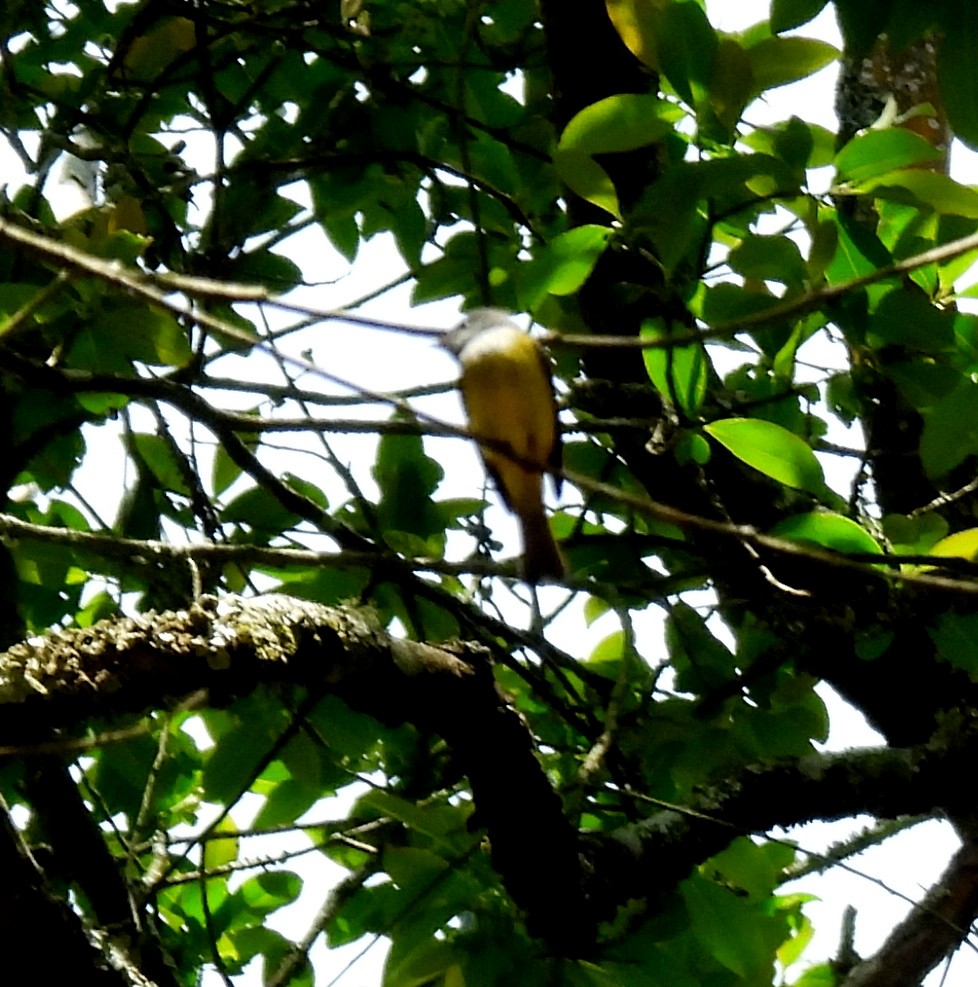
[226, 648]
[565, 886]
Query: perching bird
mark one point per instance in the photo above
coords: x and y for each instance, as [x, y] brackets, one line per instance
[509, 397]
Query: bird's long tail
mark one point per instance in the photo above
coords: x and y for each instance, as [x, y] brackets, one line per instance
[541, 556]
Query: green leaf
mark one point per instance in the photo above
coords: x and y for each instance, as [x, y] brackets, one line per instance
[687, 49]
[122, 330]
[261, 511]
[446, 823]
[607, 655]
[325, 584]
[778, 61]
[268, 268]
[950, 430]
[930, 188]
[226, 470]
[407, 478]
[638, 26]
[907, 317]
[120, 772]
[797, 142]
[618, 123]
[702, 662]
[288, 800]
[926, 384]
[678, 372]
[594, 608]
[960, 545]
[956, 74]
[731, 85]
[791, 950]
[858, 253]
[823, 975]
[877, 152]
[148, 54]
[347, 733]
[563, 265]
[250, 209]
[451, 274]
[741, 938]
[956, 639]
[343, 232]
[266, 893]
[727, 304]
[432, 962]
[448, 890]
[752, 868]
[159, 457]
[828, 530]
[692, 448]
[786, 14]
[914, 535]
[258, 940]
[240, 752]
[675, 39]
[222, 846]
[769, 258]
[772, 450]
[102, 404]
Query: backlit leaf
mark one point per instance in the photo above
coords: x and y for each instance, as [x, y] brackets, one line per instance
[771, 449]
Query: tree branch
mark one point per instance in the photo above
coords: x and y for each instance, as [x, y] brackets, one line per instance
[930, 932]
[29, 911]
[651, 856]
[230, 646]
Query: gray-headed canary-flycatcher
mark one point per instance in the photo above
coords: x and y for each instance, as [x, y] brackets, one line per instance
[509, 398]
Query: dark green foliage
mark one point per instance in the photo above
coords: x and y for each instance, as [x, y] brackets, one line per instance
[572, 817]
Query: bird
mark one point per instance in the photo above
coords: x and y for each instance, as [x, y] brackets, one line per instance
[508, 394]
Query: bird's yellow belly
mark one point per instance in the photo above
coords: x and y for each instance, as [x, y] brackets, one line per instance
[509, 399]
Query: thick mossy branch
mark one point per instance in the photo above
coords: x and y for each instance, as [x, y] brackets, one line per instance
[229, 646]
[564, 884]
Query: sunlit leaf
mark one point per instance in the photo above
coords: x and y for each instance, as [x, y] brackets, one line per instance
[617, 123]
[738, 937]
[960, 545]
[637, 23]
[678, 372]
[877, 152]
[222, 848]
[564, 264]
[930, 188]
[828, 530]
[913, 535]
[777, 61]
[771, 449]
[268, 892]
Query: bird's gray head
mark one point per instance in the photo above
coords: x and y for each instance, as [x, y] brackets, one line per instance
[475, 322]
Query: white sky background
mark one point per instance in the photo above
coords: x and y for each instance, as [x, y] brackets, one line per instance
[386, 361]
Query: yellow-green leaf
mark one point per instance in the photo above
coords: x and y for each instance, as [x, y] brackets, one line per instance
[636, 22]
[778, 61]
[619, 123]
[829, 530]
[879, 151]
[960, 545]
[771, 449]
